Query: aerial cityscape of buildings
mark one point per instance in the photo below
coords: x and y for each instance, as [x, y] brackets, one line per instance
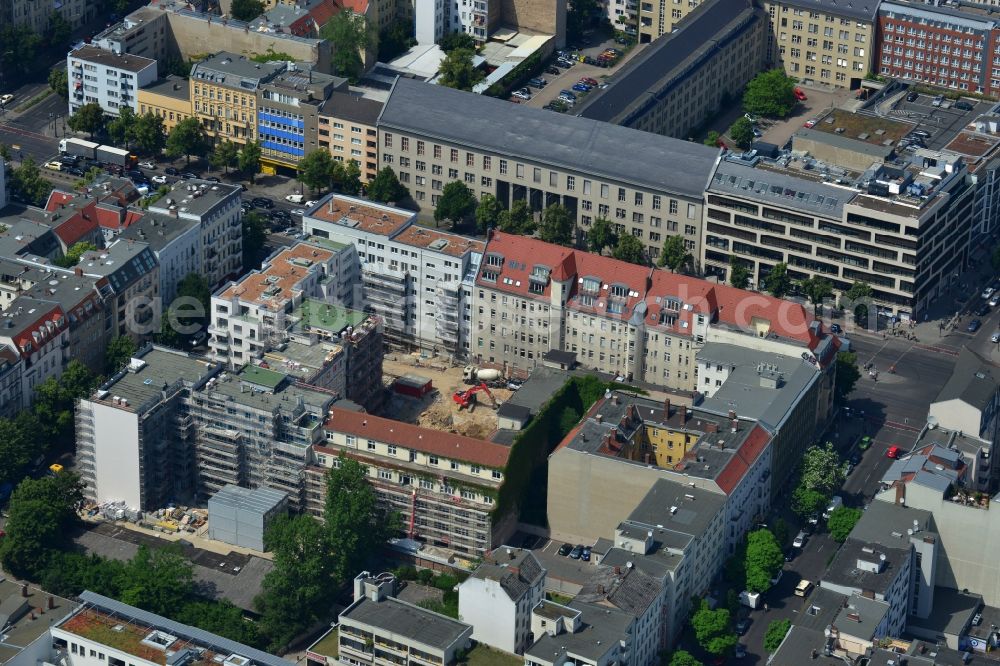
[622, 389]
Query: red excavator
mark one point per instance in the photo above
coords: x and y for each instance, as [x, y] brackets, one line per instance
[467, 398]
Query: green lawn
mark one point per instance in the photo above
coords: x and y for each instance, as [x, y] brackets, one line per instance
[558, 598]
[328, 645]
[482, 655]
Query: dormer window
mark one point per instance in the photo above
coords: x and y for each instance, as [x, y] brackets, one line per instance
[667, 319]
[618, 290]
[672, 304]
[490, 276]
[590, 285]
[494, 260]
[540, 273]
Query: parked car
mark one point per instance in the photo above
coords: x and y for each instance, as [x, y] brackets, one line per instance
[848, 468]
[742, 626]
[576, 552]
[590, 81]
[864, 443]
[5, 99]
[800, 540]
[262, 202]
[212, 179]
[298, 211]
[585, 554]
[523, 93]
[995, 338]
[856, 458]
[74, 171]
[893, 452]
[937, 100]
[912, 97]
[566, 94]
[836, 328]
[740, 652]
[170, 171]
[789, 554]
[538, 82]
[55, 165]
[799, 95]
[995, 300]
[974, 325]
[811, 122]
[581, 87]
[187, 175]
[159, 179]
[553, 70]
[982, 310]
[147, 165]
[988, 292]
[963, 105]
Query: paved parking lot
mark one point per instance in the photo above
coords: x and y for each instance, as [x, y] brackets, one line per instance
[942, 123]
[570, 76]
[818, 103]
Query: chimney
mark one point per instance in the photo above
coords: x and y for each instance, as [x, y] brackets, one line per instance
[711, 427]
[599, 418]
[735, 425]
[600, 586]
[614, 399]
[684, 414]
[732, 413]
[51, 603]
[901, 494]
[666, 408]
[645, 458]
[24, 590]
[77, 271]
[618, 570]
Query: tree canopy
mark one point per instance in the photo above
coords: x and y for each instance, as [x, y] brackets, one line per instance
[841, 521]
[457, 70]
[248, 159]
[778, 282]
[847, 374]
[816, 288]
[771, 94]
[88, 118]
[763, 560]
[73, 254]
[674, 255]
[347, 177]
[348, 32]
[457, 40]
[739, 273]
[775, 634]
[488, 212]
[712, 630]
[457, 203]
[315, 170]
[386, 188]
[857, 298]
[26, 181]
[246, 10]
[630, 249]
[40, 515]
[557, 225]
[148, 134]
[518, 220]
[59, 81]
[822, 469]
[121, 130]
[226, 153]
[120, 350]
[254, 235]
[187, 138]
[741, 132]
[601, 235]
[683, 658]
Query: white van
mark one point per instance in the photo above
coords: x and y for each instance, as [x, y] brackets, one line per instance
[803, 588]
[751, 599]
[295, 198]
[835, 503]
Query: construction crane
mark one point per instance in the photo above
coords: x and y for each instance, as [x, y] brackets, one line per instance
[467, 398]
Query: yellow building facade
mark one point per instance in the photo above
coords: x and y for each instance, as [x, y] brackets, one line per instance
[168, 99]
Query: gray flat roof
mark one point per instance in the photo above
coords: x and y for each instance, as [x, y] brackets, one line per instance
[668, 61]
[603, 627]
[951, 613]
[182, 194]
[352, 107]
[696, 508]
[887, 523]
[125, 61]
[24, 630]
[541, 384]
[157, 230]
[413, 622]
[861, 616]
[170, 86]
[857, 9]
[875, 152]
[742, 390]
[779, 189]
[163, 366]
[974, 381]
[124, 263]
[820, 609]
[235, 71]
[798, 648]
[575, 144]
[844, 571]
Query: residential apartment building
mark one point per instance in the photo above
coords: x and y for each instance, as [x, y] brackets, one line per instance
[444, 486]
[830, 43]
[176, 244]
[39, 332]
[169, 98]
[224, 94]
[633, 321]
[970, 399]
[377, 625]
[131, 289]
[347, 127]
[498, 597]
[109, 79]
[431, 20]
[431, 135]
[11, 384]
[102, 630]
[480, 18]
[418, 281]
[650, 20]
[682, 78]
[889, 234]
[580, 633]
[638, 595]
[288, 114]
[215, 209]
[950, 45]
[170, 426]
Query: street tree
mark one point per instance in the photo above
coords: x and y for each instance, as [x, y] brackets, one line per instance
[58, 31]
[457, 70]
[386, 188]
[159, 580]
[816, 288]
[457, 203]
[246, 10]
[149, 136]
[457, 40]
[556, 225]
[395, 39]
[857, 298]
[315, 170]
[741, 132]
[739, 273]
[349, 33]
[807, 502]
[778, 281]
[683, 658]
[601, 235]
[40, 515]
[771, 94]
[59, 81]
[119, 351]
[674, 254]
[187, 138]
[518, 220]
[350, 178]
[18, 47]
[841, 521]
[822, 469]
[712, 630]
[355, 525]
[630, 249]
[763, 560]
[18, 445]
[121, 130]
[488, 210]
[226, 153]
[847, 374]
[776, 632]
[248, 160]
[88, 118]
[254, 236]
[26, 180]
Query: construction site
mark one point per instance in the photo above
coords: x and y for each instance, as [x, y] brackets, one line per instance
[443, 407]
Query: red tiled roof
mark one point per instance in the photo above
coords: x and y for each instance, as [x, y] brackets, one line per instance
[788, 319]
[444, 444]
[517, 252]
[751, 448]
[79, 226]
[57, 198]
[322, 12]
[25, 341]
[359, 6]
